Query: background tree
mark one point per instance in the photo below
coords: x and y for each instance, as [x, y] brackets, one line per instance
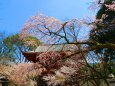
[15, 45]
[104, 32]
[5, 56]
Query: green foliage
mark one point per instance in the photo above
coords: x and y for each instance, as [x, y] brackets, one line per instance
[104, 10]
[11, 47]
[32, 42]
[105, 30]
[5, 56]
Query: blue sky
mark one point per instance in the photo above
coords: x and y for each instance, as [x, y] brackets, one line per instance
[14, 13]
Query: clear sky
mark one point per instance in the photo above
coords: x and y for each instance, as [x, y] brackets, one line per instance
[14, 13]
